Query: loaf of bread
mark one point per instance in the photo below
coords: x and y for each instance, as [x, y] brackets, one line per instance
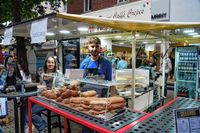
[116, 99]
[88, 107]
[76, 100]
[74, 93]
[66, 101]
[66, 94]
[74, 105]
[59, 99]
[99, 102]
[86, 101]
[99, 107]
[91, 93]
[115, 106]
[51, 95]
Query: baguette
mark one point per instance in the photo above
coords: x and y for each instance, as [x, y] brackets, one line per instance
[91, 93]
[116, 99]
[100, 102]
[86, 101]
[115, 106]
[76, 100]
[85, 106]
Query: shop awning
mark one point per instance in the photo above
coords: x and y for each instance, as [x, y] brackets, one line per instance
[128, 25]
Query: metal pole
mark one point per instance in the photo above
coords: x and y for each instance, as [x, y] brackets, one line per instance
[163, 68]
[133, 70]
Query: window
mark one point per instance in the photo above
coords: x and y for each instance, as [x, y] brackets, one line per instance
[87, 5]
[121, 1]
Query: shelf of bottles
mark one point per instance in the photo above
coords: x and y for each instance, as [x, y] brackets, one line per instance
[186, 71]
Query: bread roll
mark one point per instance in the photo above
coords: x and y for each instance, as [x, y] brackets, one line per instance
[116, 99]
[85, 106]
[115, 106]
[91, 93]
[66, 101]
[74, 87]
[45, 92]
[59, 99]
[51, 96]
[74, 105]
[76, 100]
[100, 102]
[66, 94]
[86, 101]
[99, 107]
[74, 93]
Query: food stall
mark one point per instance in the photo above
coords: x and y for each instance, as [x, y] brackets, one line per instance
[120, 118]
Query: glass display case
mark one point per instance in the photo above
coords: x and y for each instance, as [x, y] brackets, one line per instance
[186, 63]
[71, 54]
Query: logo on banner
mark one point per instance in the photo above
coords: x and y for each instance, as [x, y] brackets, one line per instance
[38, 31]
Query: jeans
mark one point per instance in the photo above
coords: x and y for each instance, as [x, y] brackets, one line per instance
[37, 119]
[1, 129]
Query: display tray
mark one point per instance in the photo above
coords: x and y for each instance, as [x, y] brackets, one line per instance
[115, 120]
[163, 121]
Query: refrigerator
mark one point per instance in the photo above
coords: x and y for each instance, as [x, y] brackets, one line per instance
[186, 72]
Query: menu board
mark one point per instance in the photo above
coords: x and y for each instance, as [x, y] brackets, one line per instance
[187, 120]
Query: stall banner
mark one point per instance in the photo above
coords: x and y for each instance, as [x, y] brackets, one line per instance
[38, 31]
[140, 10]
[3, 107]
[8, 34]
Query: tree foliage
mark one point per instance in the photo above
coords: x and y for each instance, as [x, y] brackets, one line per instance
[15, 11]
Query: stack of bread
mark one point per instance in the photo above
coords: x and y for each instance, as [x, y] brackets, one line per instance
[87, 102]
[62, 93]
[77, 102]
[102, 105]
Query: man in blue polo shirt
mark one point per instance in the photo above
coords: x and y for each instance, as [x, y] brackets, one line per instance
[95, 65]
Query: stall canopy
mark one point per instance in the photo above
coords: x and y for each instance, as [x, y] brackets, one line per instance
[65, 26]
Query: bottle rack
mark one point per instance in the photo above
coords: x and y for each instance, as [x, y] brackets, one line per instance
[186, 71]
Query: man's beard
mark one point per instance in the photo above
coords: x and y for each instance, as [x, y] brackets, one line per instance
[94, 53]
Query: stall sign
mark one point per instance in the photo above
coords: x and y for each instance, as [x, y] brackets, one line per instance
[160, 10]
[38, 31]
[140, 10]
[8, 34]
[187, 120]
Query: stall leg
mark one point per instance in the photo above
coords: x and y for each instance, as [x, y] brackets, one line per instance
[49, 120]
[68, 126]
[65, 125]
[22, 115]
[30, 116]
[16, 116]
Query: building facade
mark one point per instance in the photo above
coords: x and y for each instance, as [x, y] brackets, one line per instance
[85, 6]
[161, 10]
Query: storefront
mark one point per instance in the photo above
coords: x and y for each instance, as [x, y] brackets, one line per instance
[120, 26]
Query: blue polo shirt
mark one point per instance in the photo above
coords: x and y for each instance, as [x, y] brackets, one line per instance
[104, 66]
